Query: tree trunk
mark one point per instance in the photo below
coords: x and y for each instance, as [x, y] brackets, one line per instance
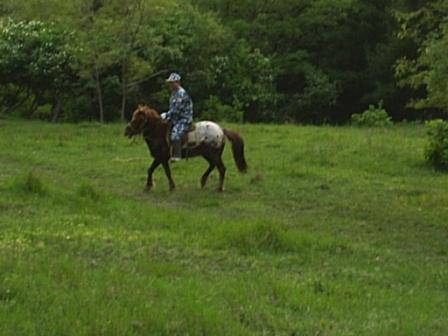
[123, 105]
[99, 93]
[128, 50]
[56, 109]
[34, 105]
[124, 91]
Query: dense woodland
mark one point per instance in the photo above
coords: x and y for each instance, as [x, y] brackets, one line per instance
[307, 61]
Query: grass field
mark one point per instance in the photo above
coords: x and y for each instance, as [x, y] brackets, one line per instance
[334, 231]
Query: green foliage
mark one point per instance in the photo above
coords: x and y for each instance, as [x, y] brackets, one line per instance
[375, 116]
[300, 61]
[318, 95]
[214, 110]
[435, 78]
[325, 55]
[36, 54]
[427, 71]
[244, 79]
[436, 152]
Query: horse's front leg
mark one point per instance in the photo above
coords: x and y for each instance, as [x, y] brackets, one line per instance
[166, 167]
[149, 182]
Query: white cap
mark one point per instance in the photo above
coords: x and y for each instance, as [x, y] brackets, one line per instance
[174, 77]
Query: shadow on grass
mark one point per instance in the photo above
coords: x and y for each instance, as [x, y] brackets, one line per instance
[88, 192]
[29, 184]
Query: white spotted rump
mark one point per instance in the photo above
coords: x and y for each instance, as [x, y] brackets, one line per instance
[206, 132]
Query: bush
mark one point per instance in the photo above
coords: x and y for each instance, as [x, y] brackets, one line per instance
[214, 110]
[436, 152]
[37, 58]
[375, 116]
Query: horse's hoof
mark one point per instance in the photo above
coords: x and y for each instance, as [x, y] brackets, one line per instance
[219, 189]
[172, 188]
[147, 189]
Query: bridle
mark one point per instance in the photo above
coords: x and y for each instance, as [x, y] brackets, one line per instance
[140, 129]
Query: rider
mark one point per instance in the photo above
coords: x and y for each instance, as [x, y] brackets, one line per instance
[180, 114]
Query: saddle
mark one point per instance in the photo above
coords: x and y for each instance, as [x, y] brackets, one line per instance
[188, 139]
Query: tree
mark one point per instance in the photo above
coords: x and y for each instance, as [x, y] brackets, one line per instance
[427, 72]
[310, 61]
[36, 57]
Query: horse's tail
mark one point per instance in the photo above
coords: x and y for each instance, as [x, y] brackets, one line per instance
[237, 149]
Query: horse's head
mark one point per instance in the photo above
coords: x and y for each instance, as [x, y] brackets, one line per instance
[142, 117]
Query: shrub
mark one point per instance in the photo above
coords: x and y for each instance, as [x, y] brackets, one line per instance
[215, 110]
[436, 152]
[37, 58]
[375, 116]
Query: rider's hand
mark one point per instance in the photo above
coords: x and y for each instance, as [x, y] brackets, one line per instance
[163, 116]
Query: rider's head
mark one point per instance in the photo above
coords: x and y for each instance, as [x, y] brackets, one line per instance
[174, 81]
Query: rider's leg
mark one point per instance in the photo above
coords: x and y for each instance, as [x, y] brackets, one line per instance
[177, 133]
[176, 144]
[176, 150]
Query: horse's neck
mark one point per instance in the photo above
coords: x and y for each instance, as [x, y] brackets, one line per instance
[155, 129]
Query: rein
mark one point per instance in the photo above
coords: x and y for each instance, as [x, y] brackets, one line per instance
[140, 129]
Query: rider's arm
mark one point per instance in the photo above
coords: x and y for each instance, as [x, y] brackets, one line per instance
[188, 108]
[177, 106]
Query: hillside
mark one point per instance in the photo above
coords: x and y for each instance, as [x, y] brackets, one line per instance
[334, 231]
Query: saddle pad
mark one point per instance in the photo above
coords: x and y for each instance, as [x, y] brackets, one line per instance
[205, 132]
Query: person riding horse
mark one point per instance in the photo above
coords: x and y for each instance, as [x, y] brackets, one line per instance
[180, 115]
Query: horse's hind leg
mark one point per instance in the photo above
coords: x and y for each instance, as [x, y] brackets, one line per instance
[149, 182]
[204, 177]
[166, 167]
[214, 157]
[222, 173]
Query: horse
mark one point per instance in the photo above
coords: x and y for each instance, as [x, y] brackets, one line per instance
[205, 138]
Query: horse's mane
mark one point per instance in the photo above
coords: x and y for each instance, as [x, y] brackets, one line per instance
[150, 112]
[154, 122]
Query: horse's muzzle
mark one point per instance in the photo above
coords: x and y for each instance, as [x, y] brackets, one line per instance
[128, 131]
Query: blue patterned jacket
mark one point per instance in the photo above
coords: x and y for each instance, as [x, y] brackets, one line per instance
[181, 107]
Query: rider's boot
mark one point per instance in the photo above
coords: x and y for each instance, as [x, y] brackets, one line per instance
[176, 151]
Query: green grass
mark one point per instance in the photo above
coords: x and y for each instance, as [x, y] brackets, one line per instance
[334, 231]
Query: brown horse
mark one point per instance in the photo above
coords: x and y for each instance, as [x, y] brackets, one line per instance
[206, 140]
